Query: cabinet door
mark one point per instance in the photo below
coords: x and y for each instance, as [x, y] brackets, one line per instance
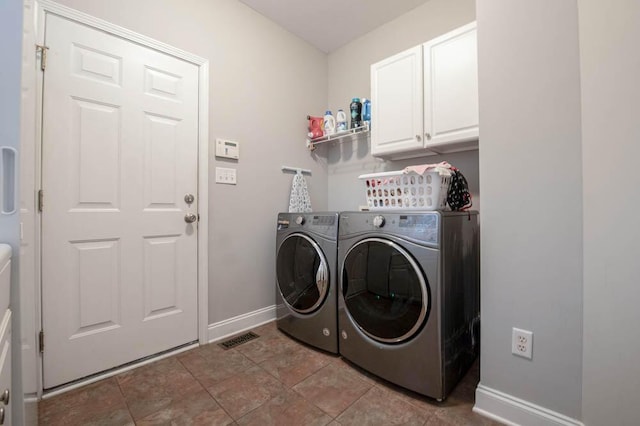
[451, 87]
[396, 103]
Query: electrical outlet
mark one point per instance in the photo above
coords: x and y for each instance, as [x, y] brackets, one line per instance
[522, 343]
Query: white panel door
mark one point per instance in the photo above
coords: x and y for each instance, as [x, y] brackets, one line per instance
[120, 150]
[396, 103]
[451, 87]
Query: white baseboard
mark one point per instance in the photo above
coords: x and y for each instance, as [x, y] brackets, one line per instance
[235, 325]
[513, 411]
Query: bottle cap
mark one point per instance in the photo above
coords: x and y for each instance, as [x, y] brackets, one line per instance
[355, 100]
[328, 112]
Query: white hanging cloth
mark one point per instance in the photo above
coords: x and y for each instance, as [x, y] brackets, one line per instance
[299, 200]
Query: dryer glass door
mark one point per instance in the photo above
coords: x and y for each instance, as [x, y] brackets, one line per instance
[302, 273]
[384, 289]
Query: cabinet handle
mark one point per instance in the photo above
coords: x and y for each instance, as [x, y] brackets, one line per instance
[1, 415]
[428, 136]
[4, 398]
[418, 138]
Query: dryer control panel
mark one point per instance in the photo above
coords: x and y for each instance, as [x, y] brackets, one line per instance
[423, 226]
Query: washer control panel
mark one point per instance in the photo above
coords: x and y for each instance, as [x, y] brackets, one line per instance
[328, 220]
[325, 224]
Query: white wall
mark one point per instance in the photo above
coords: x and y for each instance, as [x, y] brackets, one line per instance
[349, 76]
[610, 68]
[531, 186]
[263, 83]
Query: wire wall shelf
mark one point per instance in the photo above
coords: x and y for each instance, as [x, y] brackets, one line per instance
[339, 136]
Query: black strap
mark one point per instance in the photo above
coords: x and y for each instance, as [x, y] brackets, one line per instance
[458, 196]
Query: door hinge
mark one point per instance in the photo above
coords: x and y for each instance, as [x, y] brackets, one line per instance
[40, 200]
[41, 341]
[43, 55]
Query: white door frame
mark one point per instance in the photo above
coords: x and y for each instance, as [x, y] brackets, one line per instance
[44, 7]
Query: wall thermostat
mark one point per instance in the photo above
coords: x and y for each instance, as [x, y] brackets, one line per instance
[227, 149]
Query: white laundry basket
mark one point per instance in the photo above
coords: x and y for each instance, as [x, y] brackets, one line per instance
[407, 191]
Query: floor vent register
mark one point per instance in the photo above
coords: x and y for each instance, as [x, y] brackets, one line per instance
[238, 340]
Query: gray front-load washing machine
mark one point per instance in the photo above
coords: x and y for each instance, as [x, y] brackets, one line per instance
[306, 297]
[408, 305]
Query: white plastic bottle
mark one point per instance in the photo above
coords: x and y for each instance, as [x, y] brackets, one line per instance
[329, 124]
[366, 111]
[341, 121]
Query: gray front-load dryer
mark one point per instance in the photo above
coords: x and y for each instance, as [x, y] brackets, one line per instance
[408, 304]
[306, 297]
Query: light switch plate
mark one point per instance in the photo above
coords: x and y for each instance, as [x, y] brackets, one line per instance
[225, 176]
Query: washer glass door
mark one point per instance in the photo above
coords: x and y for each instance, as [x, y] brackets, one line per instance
[302, 273]
[384, 289]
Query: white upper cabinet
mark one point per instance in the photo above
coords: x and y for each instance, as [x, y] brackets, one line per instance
[424, 101]
[397, 103]
[451, 87]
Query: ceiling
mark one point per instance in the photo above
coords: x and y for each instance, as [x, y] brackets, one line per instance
[330, 24]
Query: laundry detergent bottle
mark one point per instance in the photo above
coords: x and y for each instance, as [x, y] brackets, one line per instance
[356, 113]
[341, 121]
[315, 127]
[329, 124]
[366, 112]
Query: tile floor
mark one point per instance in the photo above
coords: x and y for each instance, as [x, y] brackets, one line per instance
[272, 380]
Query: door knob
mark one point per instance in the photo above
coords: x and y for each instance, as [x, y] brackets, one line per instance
[190, 217]
[189, 198]
[1, 415]
[4, 398]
